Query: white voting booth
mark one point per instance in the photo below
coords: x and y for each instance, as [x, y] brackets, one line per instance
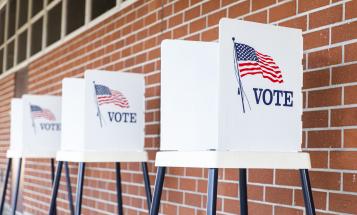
[35, 127]
[235, 103]
[34, 133]
[103, 120]
[107, 129]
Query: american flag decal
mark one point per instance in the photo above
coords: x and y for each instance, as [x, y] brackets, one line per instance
[252, 62]
[38, 112]
[105, 95]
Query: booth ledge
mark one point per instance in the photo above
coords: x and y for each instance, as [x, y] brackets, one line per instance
[102, 156]
[234, 159]
[24, 154]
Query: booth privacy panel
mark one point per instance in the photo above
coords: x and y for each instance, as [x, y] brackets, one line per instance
[73, 114]
[264, 63]
[108, 115]
[37, 126]
[240, 94]
[189, 95]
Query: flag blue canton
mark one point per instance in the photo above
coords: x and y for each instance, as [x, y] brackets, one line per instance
[101, 90]
[35, 108]
[245, 52]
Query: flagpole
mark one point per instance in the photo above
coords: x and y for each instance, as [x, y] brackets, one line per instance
[99, 114]
[33, 121]
[236, 67]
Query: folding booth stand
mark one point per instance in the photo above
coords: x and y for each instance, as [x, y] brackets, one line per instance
[102, 121]
[233, 104]
[35, 133]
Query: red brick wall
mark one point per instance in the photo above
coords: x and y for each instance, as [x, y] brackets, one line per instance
[7, 91]
[130, 41]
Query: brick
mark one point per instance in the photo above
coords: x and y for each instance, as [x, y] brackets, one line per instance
[169, 209]
[210, 6]
[282, 11]
[258, 4]
[193, 13]
[351, 10]
[283, 211]
[325, 17]
[325, 57]
[350, 138]
[198, 25]
[350, 95]
[260, 176]
[193, 199]
[187, 184]
[317, 78]
[279, 195]
[350, 52]
[210, 35]
[181, 5]
[344, 203]
[324, 98]
[180, 31]
[239, 9]
[231, 206]
[214, 18]
[350, 182]
[228, 189]
[231, 174]
[313, 119]
[316, 39]
[261, 17]
[175, 20]
[287, 177]
[344, 32]
[185, 210]
[299, 22]
[227, 2]
[343, 160]
[344, 74]
[255, 192]
[320, 199]
[324, 139]
[325, 180]
[306, 5]
[344, 117]
[255, 208]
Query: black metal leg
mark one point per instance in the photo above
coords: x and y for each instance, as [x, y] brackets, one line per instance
[53, 179]
[147, 184]
[17, 186]
[212, 191]
[159, 183]
[307, 192]
[243, 196]
[79, 194]
[69, 188]
[8, 168]
[55, 186]
[119, 192]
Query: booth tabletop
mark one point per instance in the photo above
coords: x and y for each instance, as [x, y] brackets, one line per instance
[234, 159]
[107, 156]
[32, 154]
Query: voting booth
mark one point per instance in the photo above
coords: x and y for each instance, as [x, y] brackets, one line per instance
[34, 133]
[235, 103]
[103, 120]
[35, 127]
